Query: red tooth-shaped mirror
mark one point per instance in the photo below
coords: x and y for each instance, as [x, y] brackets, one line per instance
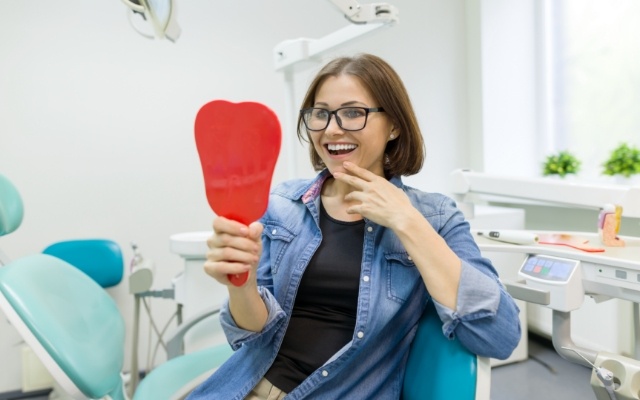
[238, 145]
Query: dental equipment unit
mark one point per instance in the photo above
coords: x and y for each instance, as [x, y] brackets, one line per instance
[599, 264]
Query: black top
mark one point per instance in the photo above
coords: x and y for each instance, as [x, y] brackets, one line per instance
[324, 313]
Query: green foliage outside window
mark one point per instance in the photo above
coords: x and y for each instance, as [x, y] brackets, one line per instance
[561, 164]
[624, 160]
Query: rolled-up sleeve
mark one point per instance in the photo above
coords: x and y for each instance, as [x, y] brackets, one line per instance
[237, 336]
[478, 297]
[485, 311]
[486, 317]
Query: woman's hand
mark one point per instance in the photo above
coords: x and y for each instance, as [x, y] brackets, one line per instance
[375, 197]
[380, 201]
[234, 248]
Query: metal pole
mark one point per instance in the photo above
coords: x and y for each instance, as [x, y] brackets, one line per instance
[133, 383]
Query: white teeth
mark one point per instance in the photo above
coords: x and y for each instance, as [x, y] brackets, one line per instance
[335, 147]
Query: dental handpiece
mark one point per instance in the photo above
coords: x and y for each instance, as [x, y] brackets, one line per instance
[511, 236]
[605, 376]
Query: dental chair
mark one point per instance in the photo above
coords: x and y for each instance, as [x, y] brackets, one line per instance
[76, 329]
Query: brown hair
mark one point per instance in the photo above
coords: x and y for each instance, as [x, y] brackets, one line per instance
[406, 153]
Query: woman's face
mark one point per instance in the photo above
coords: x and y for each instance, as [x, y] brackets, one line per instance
[335, 145]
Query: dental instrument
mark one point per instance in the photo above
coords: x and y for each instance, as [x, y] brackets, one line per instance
[510, 236]
[605, 376]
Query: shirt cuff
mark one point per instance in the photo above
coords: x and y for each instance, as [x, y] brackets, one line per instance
[237, 336]
[478, 297]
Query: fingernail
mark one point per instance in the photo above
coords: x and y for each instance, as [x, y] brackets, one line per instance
[244, 231]
[347, 163]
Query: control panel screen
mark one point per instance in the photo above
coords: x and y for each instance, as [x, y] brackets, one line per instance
[548, 268]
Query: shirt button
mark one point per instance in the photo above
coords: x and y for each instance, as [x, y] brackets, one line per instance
[365, 278]
[325, 373]
[369, 229]
[360, 335]
[273, 232]
[409, 258]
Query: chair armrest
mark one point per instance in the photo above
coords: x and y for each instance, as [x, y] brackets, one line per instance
[175, 343]
[483, 378]
[175, 378]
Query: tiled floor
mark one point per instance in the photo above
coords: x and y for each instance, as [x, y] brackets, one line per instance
[544, 375]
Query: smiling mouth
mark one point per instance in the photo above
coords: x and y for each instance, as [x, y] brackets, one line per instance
[338, 149]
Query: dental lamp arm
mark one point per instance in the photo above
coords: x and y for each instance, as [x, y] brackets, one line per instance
[365, 19]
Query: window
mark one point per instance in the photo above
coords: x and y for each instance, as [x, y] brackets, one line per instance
[592, 86]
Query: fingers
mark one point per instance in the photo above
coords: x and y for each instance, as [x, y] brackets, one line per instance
[229, 233]
[234, 248]
[373, 197]
[221, 270]
[356, 176]
[359, 172]
[225, 225]
[255, 230]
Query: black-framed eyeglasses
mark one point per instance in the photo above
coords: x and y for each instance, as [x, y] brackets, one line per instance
[348, 118]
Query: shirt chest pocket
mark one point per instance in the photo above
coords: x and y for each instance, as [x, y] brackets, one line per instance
[401, 273]
[279, 240]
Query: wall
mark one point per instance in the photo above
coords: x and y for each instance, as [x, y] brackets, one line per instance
[503, 87]
[96, 122]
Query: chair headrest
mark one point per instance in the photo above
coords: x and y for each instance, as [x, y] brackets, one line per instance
[11, 207]
[101, 259]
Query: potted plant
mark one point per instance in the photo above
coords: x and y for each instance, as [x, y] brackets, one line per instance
[561, 164]
[623, 161]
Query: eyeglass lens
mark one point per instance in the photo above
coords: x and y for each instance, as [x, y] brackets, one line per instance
[350, 118]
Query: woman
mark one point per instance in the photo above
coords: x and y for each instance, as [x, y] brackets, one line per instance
[342, 266]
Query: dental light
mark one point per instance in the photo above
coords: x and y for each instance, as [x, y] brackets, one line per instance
[153, 18]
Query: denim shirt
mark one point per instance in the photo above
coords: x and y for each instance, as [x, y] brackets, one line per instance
[391, 299]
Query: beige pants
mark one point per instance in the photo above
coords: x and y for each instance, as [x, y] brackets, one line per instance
[264, 390]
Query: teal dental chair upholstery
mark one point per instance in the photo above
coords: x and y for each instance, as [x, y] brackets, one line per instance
[100, 259]
[439, 368]
[11, 211]
[76, 329]
[11, 207]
